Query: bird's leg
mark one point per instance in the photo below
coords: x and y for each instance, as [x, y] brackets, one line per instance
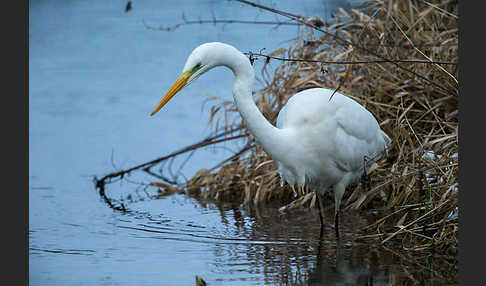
[366, 182]
[338, 189]
[365, 178]
[336, 222]
[321, 217]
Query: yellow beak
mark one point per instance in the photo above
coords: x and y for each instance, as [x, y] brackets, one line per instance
[178, 85]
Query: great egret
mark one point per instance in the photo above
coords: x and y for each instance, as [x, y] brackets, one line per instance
[318, 140]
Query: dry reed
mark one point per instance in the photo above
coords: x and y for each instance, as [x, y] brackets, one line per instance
[415, 184]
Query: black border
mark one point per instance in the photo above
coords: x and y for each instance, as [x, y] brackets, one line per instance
[15, 89]
[471, 142]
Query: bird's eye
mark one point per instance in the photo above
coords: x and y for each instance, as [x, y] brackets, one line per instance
[196, 68]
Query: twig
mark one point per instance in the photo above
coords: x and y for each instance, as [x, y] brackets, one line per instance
[415, 48]
[308, 23]
[233, 157]
[416, 61]
[220, 21]
[440, 9]
[402, 177]
[413, 222]
[163, 178]
[203, 143]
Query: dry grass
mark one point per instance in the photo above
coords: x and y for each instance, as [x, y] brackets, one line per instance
[415, 184]
[417, 180]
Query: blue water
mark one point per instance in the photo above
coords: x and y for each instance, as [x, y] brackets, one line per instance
[95, 74]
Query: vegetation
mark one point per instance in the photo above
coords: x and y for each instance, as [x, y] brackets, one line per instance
[401, 64]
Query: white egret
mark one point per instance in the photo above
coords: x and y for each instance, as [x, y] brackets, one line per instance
[318, 141]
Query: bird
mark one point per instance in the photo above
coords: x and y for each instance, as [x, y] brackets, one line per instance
[322, 138]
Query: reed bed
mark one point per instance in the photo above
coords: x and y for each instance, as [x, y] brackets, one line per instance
[412, 89]
[416, 103]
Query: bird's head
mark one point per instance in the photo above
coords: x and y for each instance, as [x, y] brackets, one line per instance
[202, 59]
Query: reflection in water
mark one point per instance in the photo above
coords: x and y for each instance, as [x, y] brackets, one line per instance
[259, 245]
[342, 272]
[297, 253]
[63, 251]
[90, 93]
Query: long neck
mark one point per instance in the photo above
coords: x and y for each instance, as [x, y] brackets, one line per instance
[265, 133]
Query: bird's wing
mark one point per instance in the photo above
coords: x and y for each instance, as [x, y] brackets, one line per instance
[358, 135]
[339, 129]
[303, 107]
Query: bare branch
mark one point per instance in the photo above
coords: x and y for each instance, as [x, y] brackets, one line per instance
[317, 27]
[219, 21]
[416, 61]
[203, 143]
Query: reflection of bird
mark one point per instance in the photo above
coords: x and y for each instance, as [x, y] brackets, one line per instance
[320, 141]
[200, 281]
[342, 271]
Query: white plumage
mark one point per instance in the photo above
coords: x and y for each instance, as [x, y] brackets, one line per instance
[334, 136]
[318, 141]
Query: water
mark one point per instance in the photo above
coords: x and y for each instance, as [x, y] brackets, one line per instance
[95, 74]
